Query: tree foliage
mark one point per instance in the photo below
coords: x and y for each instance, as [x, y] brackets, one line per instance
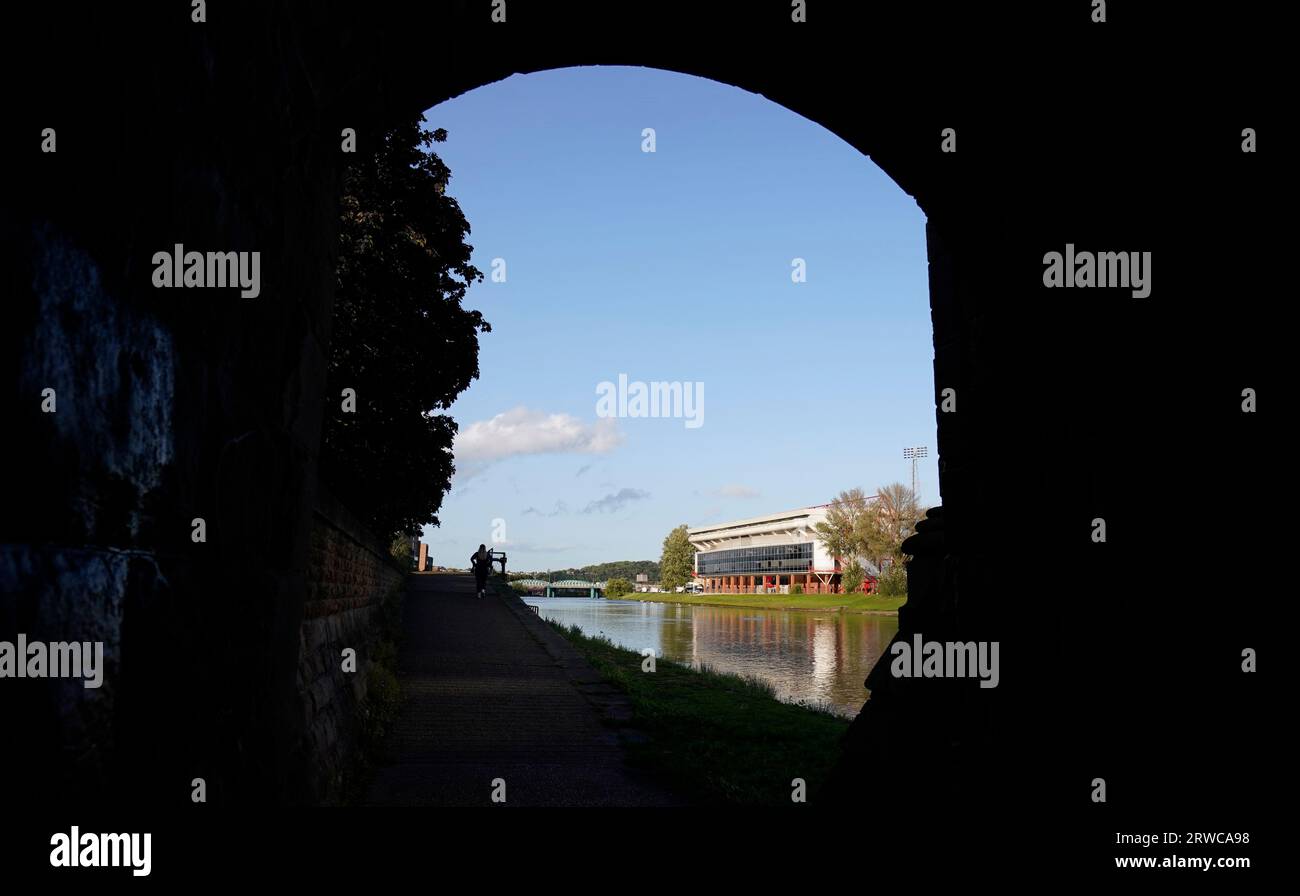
[677, 565]
[892, 519]
[402, 551]
[852, 576]
[842, 529]
[893, 580]
[872, 528]
[400, 336]
[618, 587]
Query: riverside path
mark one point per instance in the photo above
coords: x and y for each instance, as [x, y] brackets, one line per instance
[491, 693]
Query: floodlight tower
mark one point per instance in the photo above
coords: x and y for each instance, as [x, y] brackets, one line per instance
[912, 454]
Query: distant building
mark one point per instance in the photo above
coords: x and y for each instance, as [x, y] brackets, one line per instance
[642, 578]
[773, 552]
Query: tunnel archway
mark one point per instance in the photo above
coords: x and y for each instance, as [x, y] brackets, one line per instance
[365, 72]
[690, 258]
[901, 722]
[1044, 386]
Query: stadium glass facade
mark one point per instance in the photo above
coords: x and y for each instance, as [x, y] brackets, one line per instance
[775, 552]
[768, 559]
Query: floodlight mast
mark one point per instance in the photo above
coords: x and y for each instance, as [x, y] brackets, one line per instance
[912, 454]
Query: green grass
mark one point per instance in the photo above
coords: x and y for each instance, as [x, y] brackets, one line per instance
[718, 739]
[848, 603]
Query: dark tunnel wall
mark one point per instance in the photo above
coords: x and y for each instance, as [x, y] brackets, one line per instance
[1071, 404]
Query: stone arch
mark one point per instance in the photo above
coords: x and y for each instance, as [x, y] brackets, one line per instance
[911, 156]
[252, 104]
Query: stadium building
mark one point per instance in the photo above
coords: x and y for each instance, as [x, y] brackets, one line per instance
[767, 553]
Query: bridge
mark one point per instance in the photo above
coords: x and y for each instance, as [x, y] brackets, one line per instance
[548, 589]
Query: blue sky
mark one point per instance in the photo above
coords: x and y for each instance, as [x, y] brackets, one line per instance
[674, 266]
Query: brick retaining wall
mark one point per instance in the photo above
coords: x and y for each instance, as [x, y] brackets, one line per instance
[349, 574]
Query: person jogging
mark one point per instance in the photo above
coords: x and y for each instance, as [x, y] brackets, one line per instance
[481, 562]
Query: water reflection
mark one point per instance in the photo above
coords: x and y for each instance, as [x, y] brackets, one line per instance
[819, 658]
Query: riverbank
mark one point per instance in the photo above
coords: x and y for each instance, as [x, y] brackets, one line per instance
[825, 603]
[720, 739]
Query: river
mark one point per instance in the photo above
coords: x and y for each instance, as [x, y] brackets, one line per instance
[808, 657]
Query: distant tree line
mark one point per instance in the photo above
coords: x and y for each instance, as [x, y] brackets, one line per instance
[597, 572]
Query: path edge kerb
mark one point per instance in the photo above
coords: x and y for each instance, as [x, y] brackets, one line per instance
[611, 704]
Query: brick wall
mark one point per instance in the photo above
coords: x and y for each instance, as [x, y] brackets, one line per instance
[349, 574]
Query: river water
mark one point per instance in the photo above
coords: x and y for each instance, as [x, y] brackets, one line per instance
[808, 657]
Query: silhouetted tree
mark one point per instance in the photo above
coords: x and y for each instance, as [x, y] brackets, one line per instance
[400, 337]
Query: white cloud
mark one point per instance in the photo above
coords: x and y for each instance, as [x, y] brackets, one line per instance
[521, 431]
[617, 501]
[560, 509]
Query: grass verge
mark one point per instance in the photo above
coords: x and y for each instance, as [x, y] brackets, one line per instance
[718, 739]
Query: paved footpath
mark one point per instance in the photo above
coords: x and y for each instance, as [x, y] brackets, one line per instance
[491, 691]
